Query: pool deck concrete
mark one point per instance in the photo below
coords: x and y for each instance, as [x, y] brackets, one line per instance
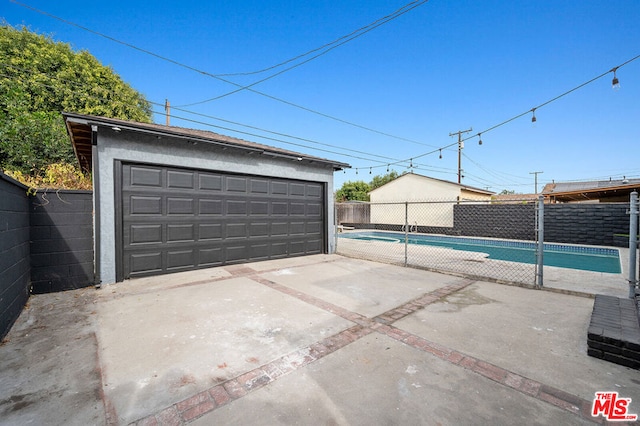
[478, 266]
[313, 340]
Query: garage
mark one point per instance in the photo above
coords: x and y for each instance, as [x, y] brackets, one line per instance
[170, 199]
[176, 219]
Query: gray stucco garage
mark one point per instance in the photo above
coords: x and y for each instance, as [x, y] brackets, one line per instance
[170, 199]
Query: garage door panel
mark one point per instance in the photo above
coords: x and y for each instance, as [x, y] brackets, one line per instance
[259, 186]
[279, 188]
[144, 176]
[257, 230]
[145, 263]
[297, 209]
[234, 207]
[279, 208]
[209, 207]
[179, 219]
[144, 205]
[314, 191]
[236, 230]
[314, 209]
[211, 256]
[145, 234]
[209, 182]
[180, 259]
[313, 227]
[236, 184]
[179, 179]
[182, 233]
[209, 231]
[259, 208]
[236, 253]
[182, 206]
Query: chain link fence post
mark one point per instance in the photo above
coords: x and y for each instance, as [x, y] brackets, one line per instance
[540, 243]
[633, 242]
[406, 232]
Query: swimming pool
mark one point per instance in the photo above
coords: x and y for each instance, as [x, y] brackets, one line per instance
[596, 259]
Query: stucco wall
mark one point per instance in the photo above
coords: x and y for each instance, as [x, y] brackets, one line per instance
[138, 147]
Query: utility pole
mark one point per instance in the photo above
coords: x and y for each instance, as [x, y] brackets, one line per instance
[536, 179]
[460, 146]
[167, 110]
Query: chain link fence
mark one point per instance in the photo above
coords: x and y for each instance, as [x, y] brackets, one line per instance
[467, 238]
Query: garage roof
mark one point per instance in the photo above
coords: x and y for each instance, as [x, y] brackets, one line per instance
[79, 129]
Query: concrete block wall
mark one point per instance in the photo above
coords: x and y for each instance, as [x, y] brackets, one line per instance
[61, 241]
[614, 331]
[511, 221]
[14, 251]
[593, 224]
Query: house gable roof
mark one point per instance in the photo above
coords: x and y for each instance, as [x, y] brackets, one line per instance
[428, 178]
[79, 127]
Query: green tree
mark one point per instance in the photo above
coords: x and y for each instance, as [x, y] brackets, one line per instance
[40, 78]
[353, 191]
[380, 180]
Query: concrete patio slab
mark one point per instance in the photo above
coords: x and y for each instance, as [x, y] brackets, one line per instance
[529, 332]
[360, 286]
[317, 339]
[378, 380]
[189, 338]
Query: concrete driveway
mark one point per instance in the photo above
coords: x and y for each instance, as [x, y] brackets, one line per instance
[313, 340]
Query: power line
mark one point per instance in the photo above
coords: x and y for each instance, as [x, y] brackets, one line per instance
[532, 110]
[348, 37]
[205, 73]
[388, 160]
[305, 61]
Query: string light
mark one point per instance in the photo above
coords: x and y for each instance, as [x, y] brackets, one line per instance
[356, 171]
[479, 138]
[533, 117]
[370, 170]
[441, 153]
[387, 168]
[615, 83]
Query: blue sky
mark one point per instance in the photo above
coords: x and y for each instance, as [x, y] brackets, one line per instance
[440, 68]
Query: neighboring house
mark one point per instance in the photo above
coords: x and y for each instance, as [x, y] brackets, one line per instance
[413, 187]
[169, 199]
[516, 198]
[604, 191]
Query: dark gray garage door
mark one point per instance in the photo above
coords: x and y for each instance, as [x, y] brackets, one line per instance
[175, 219]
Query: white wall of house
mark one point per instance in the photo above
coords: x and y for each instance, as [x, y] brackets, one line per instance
[414, 188]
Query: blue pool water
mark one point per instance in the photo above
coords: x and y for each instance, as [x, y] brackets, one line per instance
[597, 259]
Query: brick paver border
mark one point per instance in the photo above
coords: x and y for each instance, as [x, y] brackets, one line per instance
[222, 394]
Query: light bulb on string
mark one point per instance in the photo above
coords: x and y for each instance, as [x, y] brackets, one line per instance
[615, 83]
[479, 138]
[387, 168]
[533, 117]
[370, 170]
[441, 153]
[356, 171]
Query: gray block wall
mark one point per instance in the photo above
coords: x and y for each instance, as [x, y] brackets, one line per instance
[510, 221]
[61, 241]
[593, 224]
[14, 251]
